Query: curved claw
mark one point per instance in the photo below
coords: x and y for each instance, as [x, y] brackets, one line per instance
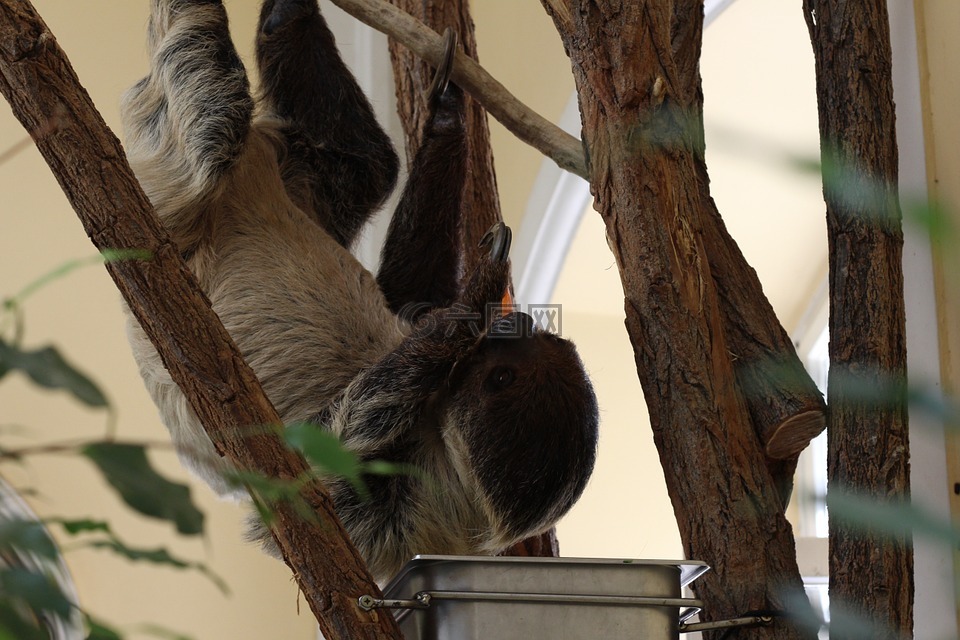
[442, 77]
[498, 238]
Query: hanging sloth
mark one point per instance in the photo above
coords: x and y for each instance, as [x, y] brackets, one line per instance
[264, 200]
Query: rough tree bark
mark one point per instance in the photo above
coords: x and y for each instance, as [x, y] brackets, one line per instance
[481, 200]
[868, 450]
[90, 165]
[786, 408]
[636, 72]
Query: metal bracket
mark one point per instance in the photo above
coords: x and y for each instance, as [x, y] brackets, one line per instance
[369, 603]
[422, 600]
[746, 621]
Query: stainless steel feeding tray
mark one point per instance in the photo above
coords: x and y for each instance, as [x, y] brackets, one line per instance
[473, 598]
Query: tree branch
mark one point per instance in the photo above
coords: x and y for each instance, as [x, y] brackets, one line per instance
[480, 206]
[519, 119]
[868, 447]
[90, 165]
[636, 69]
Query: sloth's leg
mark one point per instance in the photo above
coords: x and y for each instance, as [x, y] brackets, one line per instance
[186, 122]
[419, 267]
[339, 163]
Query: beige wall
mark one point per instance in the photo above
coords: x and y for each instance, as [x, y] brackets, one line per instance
[938, 22]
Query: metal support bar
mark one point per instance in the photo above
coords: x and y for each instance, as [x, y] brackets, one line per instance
[747, 621]
[422, 600]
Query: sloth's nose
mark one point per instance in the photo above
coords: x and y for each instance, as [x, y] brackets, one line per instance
[513, 325]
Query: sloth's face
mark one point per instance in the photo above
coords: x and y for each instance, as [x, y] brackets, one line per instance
[527, 413]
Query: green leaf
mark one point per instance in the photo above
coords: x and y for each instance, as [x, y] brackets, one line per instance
[27, 535]
[113, 543]
[930, 216]
[36, 590]
[268, 492]
[127, 469]
[47, 368]
[384, 468]
[162, 632]
[14, 626]
[100, 631]
[269, 489]
[323, 449]
[159, 557]
[326, 453]
[76, 527]
[107, 255]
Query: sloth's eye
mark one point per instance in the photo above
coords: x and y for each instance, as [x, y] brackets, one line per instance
[500, 378]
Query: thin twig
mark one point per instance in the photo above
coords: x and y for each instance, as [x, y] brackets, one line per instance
[519, 119]
[73, 446]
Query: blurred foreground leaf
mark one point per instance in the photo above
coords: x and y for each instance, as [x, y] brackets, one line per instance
[37, 591]
[127, 469]
[891, 518]
[14, 626]
[162, 632]
[110, 542]
[27, 536]
[47, 368]
[100, 631]
[323, 450]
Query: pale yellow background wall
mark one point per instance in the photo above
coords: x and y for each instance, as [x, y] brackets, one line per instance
[937, 25]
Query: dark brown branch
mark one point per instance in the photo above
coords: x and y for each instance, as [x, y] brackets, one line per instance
[481, 202]
[90, 165]
[868, 446]
[786, 408]
[412, 75]
[636, 72]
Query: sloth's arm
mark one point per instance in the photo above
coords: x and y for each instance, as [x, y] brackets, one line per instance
[419, 268]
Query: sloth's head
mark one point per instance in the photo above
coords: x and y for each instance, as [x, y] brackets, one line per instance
[525, 411]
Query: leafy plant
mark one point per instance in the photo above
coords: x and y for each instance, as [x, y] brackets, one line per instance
[35, 597]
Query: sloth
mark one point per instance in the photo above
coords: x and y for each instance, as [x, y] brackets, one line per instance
[417, 366]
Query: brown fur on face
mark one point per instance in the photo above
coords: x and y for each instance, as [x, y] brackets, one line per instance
[264, 209]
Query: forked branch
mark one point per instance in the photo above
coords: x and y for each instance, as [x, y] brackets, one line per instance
[519, 119]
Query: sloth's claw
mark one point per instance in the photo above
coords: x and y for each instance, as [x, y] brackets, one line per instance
[498, 239]
[442, 77]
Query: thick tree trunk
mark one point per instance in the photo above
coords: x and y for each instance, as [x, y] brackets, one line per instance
[481, 200]
[90, 165]
[868, 450]
[786, 408]
[635, 68]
